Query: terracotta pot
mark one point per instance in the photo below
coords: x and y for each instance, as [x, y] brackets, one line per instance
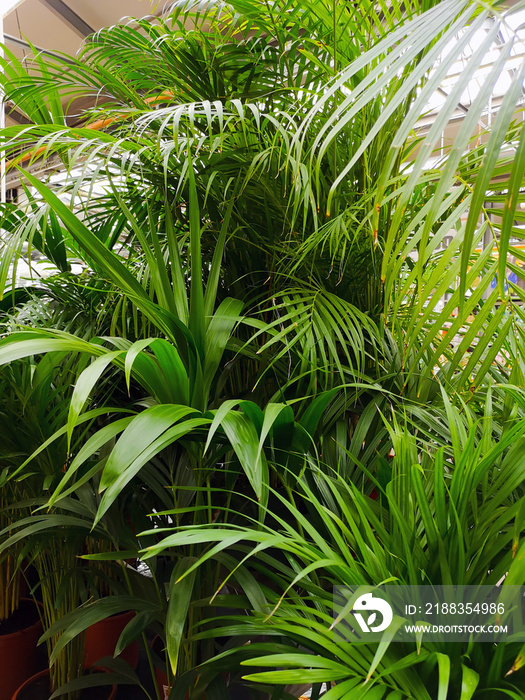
[37, 688]
[102, 638]
[19, 653]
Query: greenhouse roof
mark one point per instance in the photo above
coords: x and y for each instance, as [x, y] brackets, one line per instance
[512, 30]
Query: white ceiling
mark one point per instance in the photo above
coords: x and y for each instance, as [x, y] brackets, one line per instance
[61, 25]
[7, 5]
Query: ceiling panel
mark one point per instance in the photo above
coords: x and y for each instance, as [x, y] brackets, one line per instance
[49, 24]
[32, 20]
[57, 25]
[99, 14]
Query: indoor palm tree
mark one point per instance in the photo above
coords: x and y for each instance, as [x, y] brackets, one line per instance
[299, 133]
[271, 186]
[259, 199]
[440, 520]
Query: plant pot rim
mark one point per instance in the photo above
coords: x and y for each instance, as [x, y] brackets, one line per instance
[24, 630]
[45, 672]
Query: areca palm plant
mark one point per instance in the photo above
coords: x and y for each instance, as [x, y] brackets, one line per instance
[446, 515]
[308, 212]
[253, 185]
[32, 402]
[299, 133]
